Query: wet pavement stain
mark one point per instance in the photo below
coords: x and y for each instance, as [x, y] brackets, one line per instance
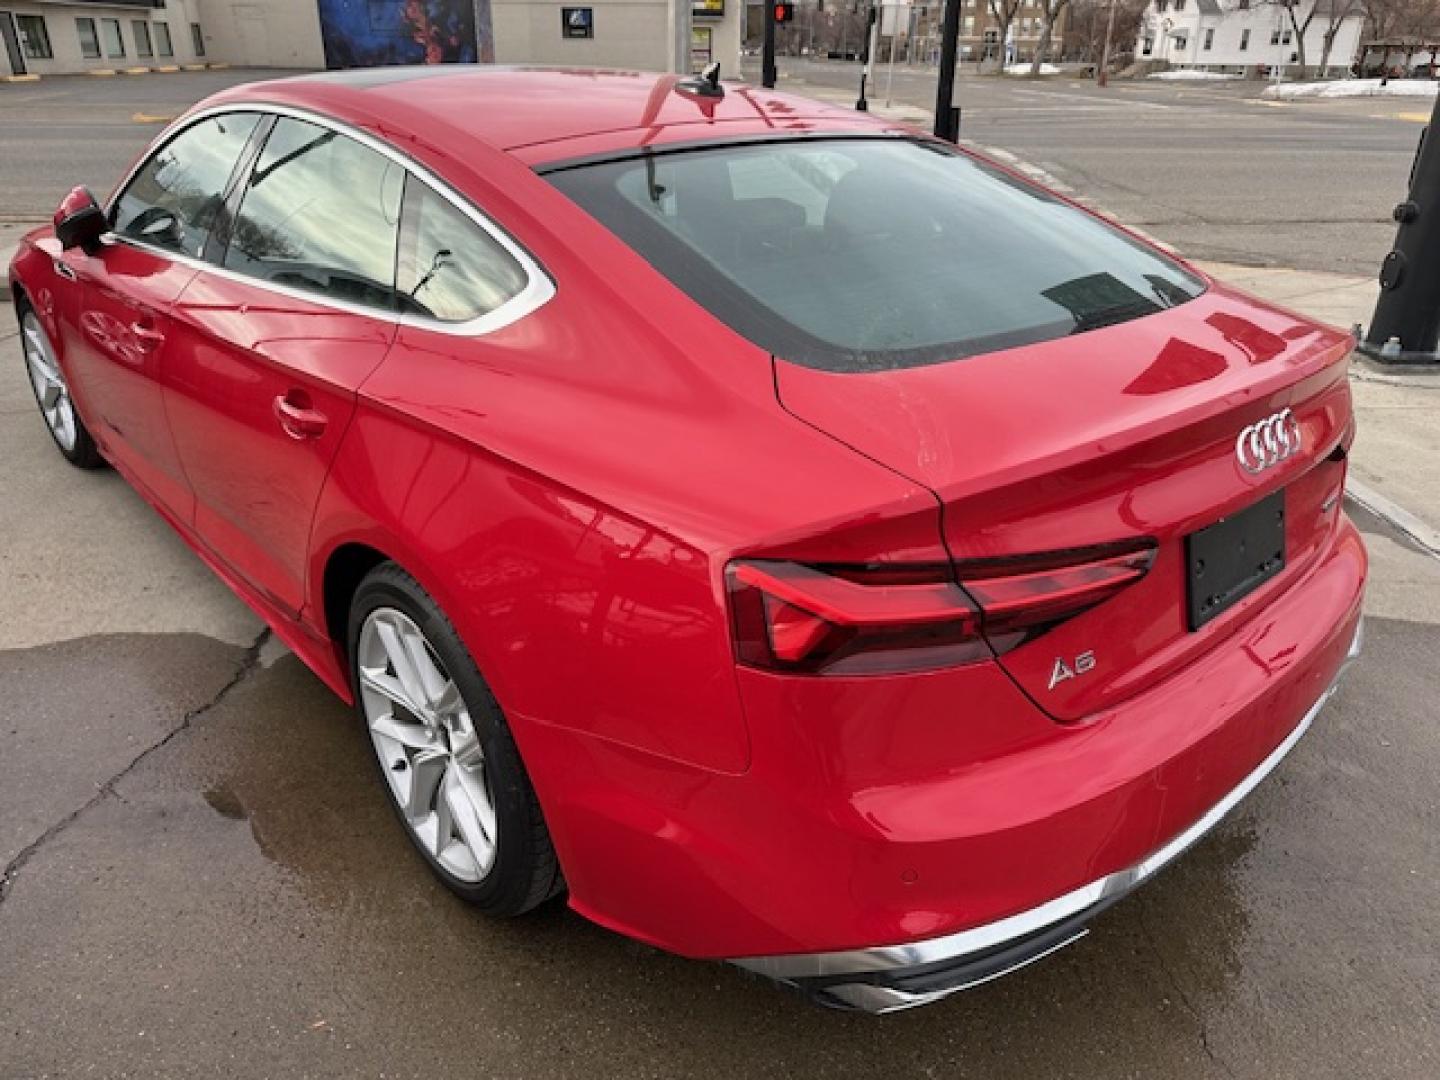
[245, 904]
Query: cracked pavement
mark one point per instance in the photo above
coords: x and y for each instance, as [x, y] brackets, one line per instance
[202, 876]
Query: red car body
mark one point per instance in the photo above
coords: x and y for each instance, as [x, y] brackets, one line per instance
[574, 487]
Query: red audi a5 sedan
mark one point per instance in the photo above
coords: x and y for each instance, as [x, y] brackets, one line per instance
[803, 542]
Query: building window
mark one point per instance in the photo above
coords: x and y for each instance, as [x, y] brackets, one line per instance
[1148, 47]
[114, 42]
[1209, 38]
[142, 38]
[1162, 6]
[1180, 42]
[34, 38]
[1274, 37]
[1179, 5]
[197, 39]
[1286, 38]
[163, 45]
[89, 39]
[1244, 40]
[1244, 5]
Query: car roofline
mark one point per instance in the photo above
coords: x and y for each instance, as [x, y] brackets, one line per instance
[685, 146]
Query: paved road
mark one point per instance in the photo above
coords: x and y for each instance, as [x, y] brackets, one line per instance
[1213, 170]
[1216, 171]
[202, 877]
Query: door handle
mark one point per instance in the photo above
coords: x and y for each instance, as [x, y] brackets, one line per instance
[147, 337]
[298, 420]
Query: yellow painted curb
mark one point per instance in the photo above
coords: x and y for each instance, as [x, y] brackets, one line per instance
[192, 67]
[147, 118]
[217, 67]
[137, 71]
[101, 71]
[19, 78]
[168, 69]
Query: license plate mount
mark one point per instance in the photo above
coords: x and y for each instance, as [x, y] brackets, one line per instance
[1230, 559]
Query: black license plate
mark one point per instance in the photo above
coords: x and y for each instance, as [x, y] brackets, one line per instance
[1232, 558]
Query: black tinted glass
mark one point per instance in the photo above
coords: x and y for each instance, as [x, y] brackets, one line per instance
[869, 254]
[450, 268]
[174, 199]
[321, 213]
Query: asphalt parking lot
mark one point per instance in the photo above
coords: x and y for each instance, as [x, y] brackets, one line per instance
[202, 877]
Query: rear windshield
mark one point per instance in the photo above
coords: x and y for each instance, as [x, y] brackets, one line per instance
[873, 254]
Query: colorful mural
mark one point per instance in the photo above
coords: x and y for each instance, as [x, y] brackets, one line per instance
[366, 33]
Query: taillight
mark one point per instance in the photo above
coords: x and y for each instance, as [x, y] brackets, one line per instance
[873, 619]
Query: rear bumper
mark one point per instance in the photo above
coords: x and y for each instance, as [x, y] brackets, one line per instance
[891, 978]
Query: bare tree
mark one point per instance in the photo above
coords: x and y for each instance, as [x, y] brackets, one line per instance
[1085, 28]
[1302, 14]
[1051, 10]
[1004, 12]
[1334, 16]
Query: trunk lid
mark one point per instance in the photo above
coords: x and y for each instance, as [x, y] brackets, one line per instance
[1120, 432]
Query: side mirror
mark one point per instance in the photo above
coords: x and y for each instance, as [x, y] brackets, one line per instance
[79, 222]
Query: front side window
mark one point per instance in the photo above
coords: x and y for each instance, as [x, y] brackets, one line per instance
[321, 213]
[163, 45]
[450, 268]
[34, 37]
[1244, 40]
[874, 254]
[1209, 39]
[197, 39]
[114, 42]
[142, 38]
[89, 38]
[174, 200]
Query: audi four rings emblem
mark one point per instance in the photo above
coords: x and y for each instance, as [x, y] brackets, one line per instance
[1268, 442]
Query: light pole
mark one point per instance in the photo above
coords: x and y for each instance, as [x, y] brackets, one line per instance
[867, 56]
[947, 117]
[767, 59]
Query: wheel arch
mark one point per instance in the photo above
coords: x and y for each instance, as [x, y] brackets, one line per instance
[345, 568]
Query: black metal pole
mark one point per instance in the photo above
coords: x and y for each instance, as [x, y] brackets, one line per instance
[861, 105]
[947, 117]
[1406, 326]
[767, 60]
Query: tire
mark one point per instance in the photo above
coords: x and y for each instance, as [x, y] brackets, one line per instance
[441, 730]
[47, 383]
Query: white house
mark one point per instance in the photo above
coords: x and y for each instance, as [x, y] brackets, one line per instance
[1235, 35]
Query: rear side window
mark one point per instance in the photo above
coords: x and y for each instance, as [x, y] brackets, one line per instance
[450, 268]
[174, 200]
[321, 213]
[874, 254]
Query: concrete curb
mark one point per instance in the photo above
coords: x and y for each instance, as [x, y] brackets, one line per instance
[1395, 515]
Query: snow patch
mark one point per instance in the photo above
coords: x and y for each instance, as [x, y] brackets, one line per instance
[1191, 75]
[1024, 69]
[1351, 88]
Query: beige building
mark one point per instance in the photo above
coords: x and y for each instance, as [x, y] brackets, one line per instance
[66, 36]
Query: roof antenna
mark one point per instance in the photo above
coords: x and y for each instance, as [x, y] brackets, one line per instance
[706, 84]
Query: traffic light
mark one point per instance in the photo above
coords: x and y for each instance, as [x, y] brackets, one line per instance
[784, 13]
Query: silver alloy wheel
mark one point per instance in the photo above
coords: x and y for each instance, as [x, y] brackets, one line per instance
[50, 387]
[427, 744]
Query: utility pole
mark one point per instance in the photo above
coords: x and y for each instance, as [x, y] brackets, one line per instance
[1102, 77]
[947, 117]
[767, 61]
[1406, 325]
[866, 55]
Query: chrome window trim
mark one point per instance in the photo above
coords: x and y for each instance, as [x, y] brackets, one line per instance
[539, 286]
